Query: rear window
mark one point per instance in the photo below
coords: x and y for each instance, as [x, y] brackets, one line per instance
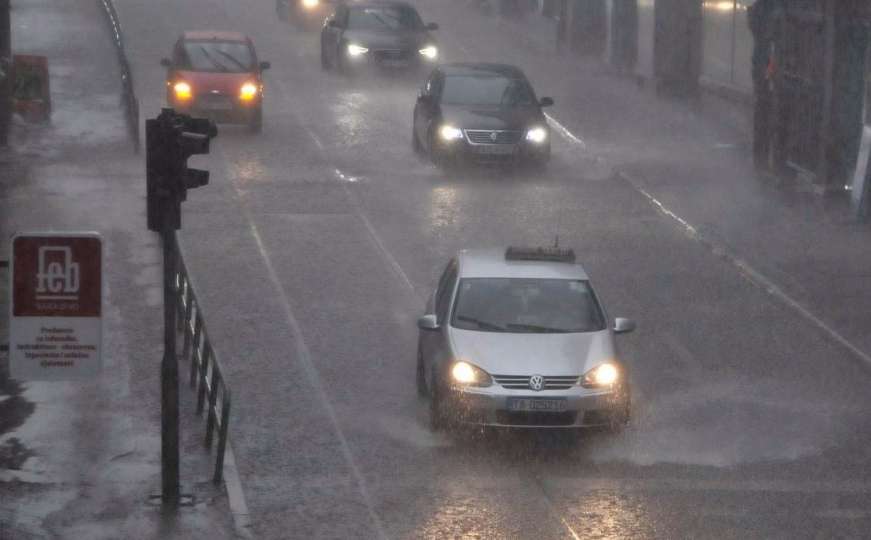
[533, 306]
[217, 56]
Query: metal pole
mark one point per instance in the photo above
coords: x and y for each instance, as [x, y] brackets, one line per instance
[169, 380]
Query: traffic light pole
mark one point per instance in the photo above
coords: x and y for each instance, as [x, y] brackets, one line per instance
[171, 139]
[169, 416]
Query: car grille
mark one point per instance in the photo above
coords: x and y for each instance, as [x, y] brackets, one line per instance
[521, 382]
[516, 418]
[391, 55]
[488, 136]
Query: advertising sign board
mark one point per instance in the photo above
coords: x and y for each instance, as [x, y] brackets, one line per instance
[55, 326]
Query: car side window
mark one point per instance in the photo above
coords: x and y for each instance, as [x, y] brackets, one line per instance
[446, 289]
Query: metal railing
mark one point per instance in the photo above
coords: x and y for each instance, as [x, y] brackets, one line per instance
[128, 93]
[206, 375]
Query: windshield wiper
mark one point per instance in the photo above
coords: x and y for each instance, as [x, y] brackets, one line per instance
[481, 324]
[536, 328]
[218, 65]
[233, 59]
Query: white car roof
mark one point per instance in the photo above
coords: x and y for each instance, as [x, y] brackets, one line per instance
[491, 262]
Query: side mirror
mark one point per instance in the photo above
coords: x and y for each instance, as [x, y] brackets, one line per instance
[265, 66]
[546, 102]
[623, 326]
[428, 322]
[432, 26]
[166, 62]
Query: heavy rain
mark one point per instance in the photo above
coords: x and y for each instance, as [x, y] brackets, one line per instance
[490, 269]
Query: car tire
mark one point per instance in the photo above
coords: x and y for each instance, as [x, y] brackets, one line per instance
[325, 62]
[255, 123]
[439, 419]
[434, 154]
[621, 419]
[422, 390]
[415, 142]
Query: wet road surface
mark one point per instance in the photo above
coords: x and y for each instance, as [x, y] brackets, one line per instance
[316, 244]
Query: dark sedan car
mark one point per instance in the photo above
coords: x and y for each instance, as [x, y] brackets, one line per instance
[388, 35]
[480, 112]
[306, 14]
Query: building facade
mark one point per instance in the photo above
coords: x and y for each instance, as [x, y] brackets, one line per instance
[682, 46]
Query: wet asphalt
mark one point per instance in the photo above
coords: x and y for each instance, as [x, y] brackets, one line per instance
[317, 242]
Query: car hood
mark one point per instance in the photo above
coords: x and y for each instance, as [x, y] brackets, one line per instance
[204, 82]
[492, 117]
[501, 353]
[389, 40]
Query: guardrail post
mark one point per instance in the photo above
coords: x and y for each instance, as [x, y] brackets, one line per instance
[203, 371]
[196, 352]
[186, 321]
[222, 435]
[211, 415]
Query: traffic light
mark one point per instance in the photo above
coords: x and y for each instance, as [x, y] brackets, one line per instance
[171, 139]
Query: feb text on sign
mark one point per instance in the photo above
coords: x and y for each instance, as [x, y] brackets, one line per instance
[56, 325]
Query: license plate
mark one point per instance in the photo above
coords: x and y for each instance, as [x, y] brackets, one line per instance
[215, 104]
[394, 63]
[495, 149]
[537, 405]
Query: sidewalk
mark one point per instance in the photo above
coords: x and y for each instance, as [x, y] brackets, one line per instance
[695, 159]
[81, 460]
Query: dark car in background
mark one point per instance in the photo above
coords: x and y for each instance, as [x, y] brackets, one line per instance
[481, 112]
[216, 75]
[306, 14]
[380, 34]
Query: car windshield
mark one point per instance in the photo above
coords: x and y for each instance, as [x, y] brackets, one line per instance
[521, 305]
[217, 56]
[384, 18]
[488, 90]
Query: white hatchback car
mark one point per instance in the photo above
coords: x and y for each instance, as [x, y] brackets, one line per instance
[518, 338]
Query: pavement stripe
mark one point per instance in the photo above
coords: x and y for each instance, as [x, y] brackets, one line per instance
[746, 270]
[304, 356]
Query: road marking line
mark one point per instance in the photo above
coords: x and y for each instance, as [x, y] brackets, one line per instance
[750, 273]
[303, 354]
[564, 131]
[379, 243]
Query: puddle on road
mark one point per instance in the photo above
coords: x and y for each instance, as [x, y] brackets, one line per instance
[725, 425]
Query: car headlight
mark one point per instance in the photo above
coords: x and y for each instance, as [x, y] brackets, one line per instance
[536, 135]
[601, 376]
[309, 4]
[430, 51]
[182, 90]
[357, 50]
[466, 374]
[248, 91]
[450, 133]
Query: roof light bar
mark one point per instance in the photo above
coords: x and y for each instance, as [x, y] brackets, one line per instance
[550, 254]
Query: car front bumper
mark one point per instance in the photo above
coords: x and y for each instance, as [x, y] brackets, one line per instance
[232, 110]
[388, 61]
[463, 151]
[583, 408]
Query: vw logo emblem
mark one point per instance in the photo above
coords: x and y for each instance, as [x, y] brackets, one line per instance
[536, 382]
[494, 136]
